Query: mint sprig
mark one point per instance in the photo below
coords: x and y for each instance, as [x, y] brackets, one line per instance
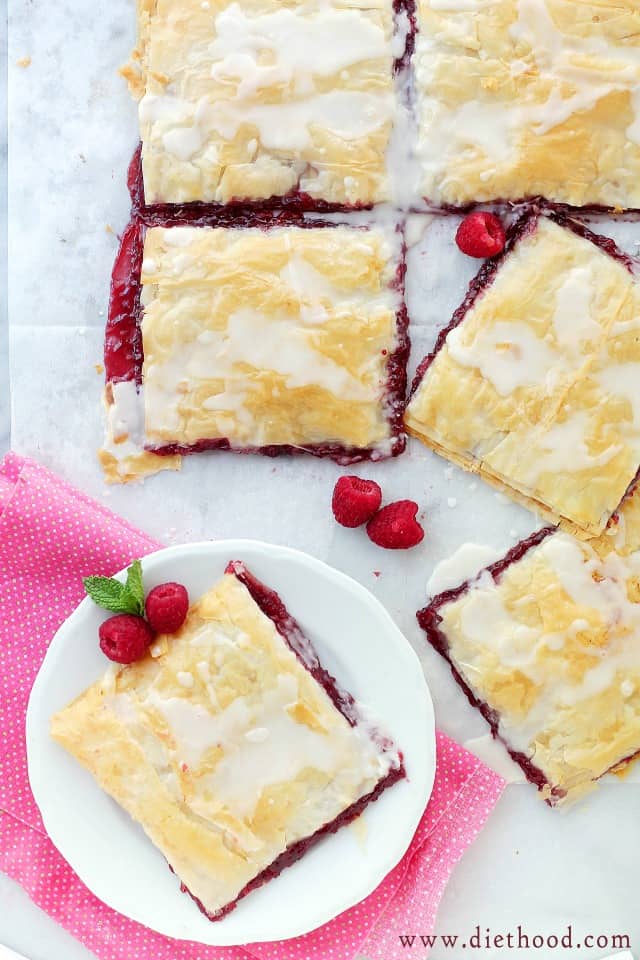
[118, 597]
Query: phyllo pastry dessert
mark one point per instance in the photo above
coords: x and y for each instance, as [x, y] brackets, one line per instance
[546, 644]
[230, 744]
[534, 384]
[524, 98]
[259, 99]
[279, 340]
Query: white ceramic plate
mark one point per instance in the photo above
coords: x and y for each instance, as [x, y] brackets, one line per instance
[356, 640]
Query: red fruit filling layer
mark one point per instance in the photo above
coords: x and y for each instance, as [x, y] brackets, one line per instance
[123, 350]
[273, 607]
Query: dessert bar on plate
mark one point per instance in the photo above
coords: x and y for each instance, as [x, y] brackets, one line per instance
[546, 644]
[534, 384]
[230, 743]
[257, 99]
[524, 98]
[272, 338]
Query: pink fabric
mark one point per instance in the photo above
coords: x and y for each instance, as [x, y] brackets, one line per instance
[50, 536]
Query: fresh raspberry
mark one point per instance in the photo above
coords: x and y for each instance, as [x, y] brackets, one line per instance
[395, 527]
[481, 234]
[355, 501]
[125, 637]
[167, 607]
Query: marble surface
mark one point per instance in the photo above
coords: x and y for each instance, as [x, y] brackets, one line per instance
[72, 132]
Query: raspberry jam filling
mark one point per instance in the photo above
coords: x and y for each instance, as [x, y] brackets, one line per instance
[123, 335]
[123, 350]
[273, 607]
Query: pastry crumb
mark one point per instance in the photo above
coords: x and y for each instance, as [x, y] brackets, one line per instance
[24, 62]
[99, 368]
[108, 228]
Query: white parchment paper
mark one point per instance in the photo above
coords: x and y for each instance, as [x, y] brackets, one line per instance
[73, 129]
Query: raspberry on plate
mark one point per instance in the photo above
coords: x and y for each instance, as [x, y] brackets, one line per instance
[125, 637]
[395, 527]
[355, 501]
[167, 606]
[481, 234]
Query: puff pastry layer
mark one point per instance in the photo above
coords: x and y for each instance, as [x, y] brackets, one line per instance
[534, 385]
[546, 643]
[525, 98]
[275, 340]
[230, 744]
[253, 99]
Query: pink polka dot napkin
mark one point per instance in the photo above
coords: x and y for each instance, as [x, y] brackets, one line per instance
[50, 536]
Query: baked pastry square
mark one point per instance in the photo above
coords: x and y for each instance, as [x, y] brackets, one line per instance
[254, 99]
[534, 385]
[279, 340]
[546, 644]
[230, 744]
[525, 98]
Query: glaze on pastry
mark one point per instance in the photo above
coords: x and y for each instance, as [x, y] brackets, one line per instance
[535, 384]
[527, 98]
[253, 99]
[546, 643]
[285, 339]
[230, 744]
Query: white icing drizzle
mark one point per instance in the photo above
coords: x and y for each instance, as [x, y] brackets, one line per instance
[280, 343]
[285, 49]
[465, 564]
[566, 57]
[125, 422]
[592, 66]
[276, 344]
[622, 379]
[598, 588]
[458, 6]
[573, 319]
[321, 45]
[562, 448]
[259, 740]
[562, 343]
[508, 354]
[486, 622]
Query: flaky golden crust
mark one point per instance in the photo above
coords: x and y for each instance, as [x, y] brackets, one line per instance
[221, 745]
[257, 99]
[277, 337]
[123, 458]
[526, 98]
[535, 389]
[550, 646]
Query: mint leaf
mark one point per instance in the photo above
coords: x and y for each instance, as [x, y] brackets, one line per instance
[118, 597]
[106, 592]
[134, 589]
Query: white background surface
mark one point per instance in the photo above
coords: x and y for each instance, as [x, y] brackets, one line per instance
[72, 132]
